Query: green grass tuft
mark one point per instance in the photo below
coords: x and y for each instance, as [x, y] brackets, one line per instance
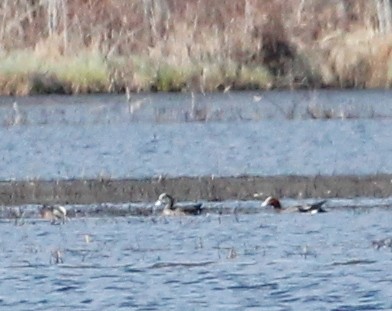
[85, 72]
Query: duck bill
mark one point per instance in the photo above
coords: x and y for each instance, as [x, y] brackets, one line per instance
[158, 203]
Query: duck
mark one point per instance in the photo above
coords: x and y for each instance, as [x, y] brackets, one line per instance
[308, 208]
[56, 213]
[171, 210]
[17, 214]
[384, 243]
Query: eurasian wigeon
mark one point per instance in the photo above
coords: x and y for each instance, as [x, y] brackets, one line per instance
[307, 208]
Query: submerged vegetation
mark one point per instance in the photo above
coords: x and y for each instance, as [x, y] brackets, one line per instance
[84, 46]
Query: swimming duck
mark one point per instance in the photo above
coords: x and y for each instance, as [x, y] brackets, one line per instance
[171, 210]
[55, 213]
[17, 214]
[308, 208]
[384, 243]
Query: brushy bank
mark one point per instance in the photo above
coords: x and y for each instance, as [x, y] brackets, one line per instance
[84, 46]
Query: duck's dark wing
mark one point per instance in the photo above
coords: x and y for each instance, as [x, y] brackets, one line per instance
[194, 209]
[314, 207]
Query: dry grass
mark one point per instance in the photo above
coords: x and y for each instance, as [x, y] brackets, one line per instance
[79, 46]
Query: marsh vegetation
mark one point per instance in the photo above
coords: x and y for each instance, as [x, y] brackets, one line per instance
[85, 46]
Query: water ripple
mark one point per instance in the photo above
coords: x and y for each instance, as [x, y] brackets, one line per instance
[199, 262]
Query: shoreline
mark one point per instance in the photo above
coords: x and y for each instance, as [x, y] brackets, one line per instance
[208, 188]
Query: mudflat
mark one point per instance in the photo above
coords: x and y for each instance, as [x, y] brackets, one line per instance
[209, 188]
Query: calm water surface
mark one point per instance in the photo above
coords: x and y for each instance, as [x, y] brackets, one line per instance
[219, 134]
[262, 261]
[223, 149]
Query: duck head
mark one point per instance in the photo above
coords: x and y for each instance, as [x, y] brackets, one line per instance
[271, 201]
[46, 213]
[166, 200]
[59, 212]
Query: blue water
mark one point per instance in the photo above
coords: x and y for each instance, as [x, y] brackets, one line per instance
[236, 261]
[264, 261]
[242, 133]
[140, 150]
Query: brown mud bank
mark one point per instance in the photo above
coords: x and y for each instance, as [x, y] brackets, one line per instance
[208, 188]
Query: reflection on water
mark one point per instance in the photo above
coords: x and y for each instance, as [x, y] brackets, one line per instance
[184, 107]
[245, 133]
[264, 261]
